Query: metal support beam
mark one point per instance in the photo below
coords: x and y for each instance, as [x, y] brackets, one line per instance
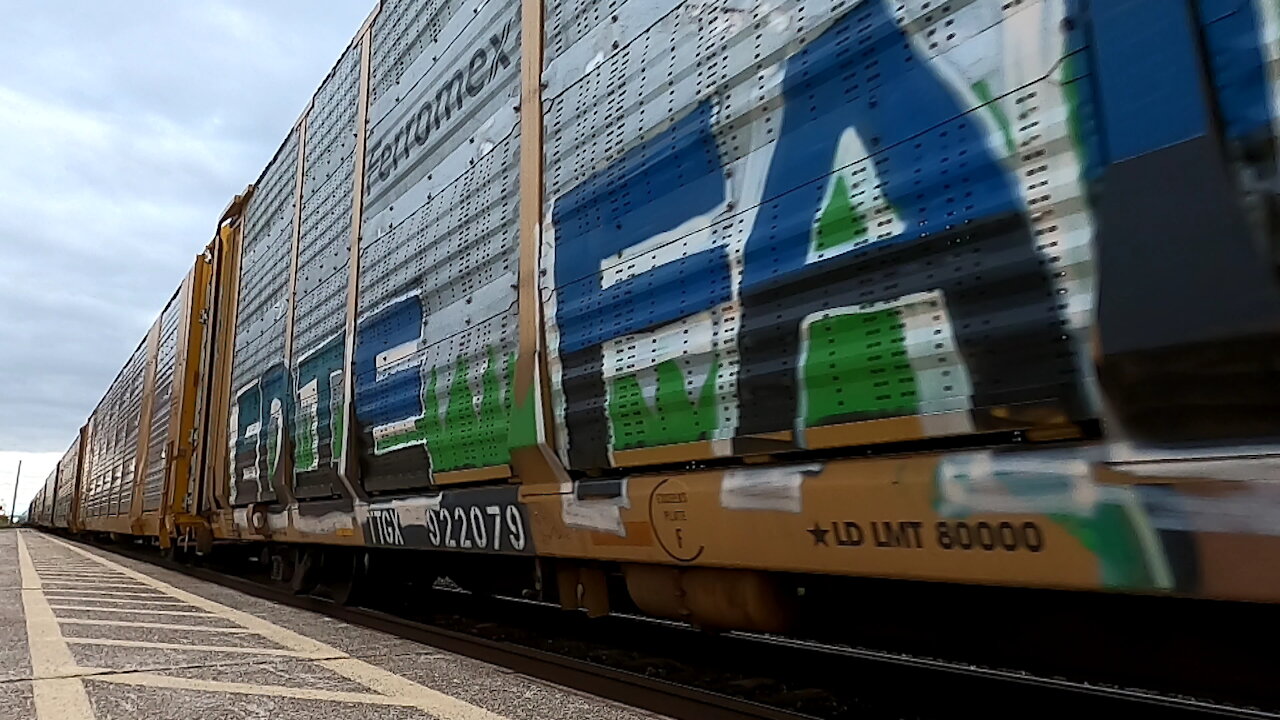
[348, 463]
[532, 447]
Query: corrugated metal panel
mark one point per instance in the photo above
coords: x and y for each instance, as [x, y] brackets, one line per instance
[323, 251]
[567, 22]
[437, 293]
[33, 509]
[258, 377]
[94, 467]
[264, 269]
[402, 33]
[114, 440]
[48, 495]
[775, 217]
[66, 485]
[161, 406]
[41, 509]
[131, 417]
[88, 479]
[326, 208]
[97, 466]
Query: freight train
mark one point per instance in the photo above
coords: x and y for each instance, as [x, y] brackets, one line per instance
[685, 306]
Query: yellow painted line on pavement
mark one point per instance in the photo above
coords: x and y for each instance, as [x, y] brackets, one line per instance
[147, 644]
[142, 611]
[154, 680]
[421, 697]
[154, 626]
[83, 586]
[95, 583]
[389, 688]
[79, 594]
[85, 575]
[164, 602]
[58, 693]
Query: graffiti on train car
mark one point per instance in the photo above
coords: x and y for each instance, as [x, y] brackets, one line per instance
[911, 236]
[1135, 532]
[398, 393]
[258, 418]
[309, 406]
[879, 254]
[401, 402]
[319, 402]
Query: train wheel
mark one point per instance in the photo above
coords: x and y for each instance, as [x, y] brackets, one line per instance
[304, 578]
[171, 553]
[347, 576]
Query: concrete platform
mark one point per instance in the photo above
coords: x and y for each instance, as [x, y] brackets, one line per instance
[85, 635]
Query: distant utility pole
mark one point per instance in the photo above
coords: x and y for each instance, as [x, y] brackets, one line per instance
[13, 509]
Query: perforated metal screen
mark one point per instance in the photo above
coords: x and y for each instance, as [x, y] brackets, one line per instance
[772, 217]
[153, 478]
[113, 442]
[65, 493]
[320, 312]
[259, 379]
[436, 341]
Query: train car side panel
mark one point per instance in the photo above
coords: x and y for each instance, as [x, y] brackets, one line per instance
[323, 255]
[813, 225]
[68, 480]
[180, 506]
[135, 437]
[40, 511]
[437, 323]
[259, 414]
[161, 405]
[213, 455]
[1047, 518]
[113, 447]
[1188, 330]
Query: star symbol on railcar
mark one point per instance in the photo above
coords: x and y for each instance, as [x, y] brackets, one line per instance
[819, 534]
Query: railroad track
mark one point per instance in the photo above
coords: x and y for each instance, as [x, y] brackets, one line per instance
[671, 669]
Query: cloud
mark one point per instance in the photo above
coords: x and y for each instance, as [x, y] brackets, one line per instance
[125, 128]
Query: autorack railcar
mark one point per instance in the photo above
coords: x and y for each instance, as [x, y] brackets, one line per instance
[677, 303]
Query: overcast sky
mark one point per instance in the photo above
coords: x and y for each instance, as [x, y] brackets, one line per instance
[125, 128]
